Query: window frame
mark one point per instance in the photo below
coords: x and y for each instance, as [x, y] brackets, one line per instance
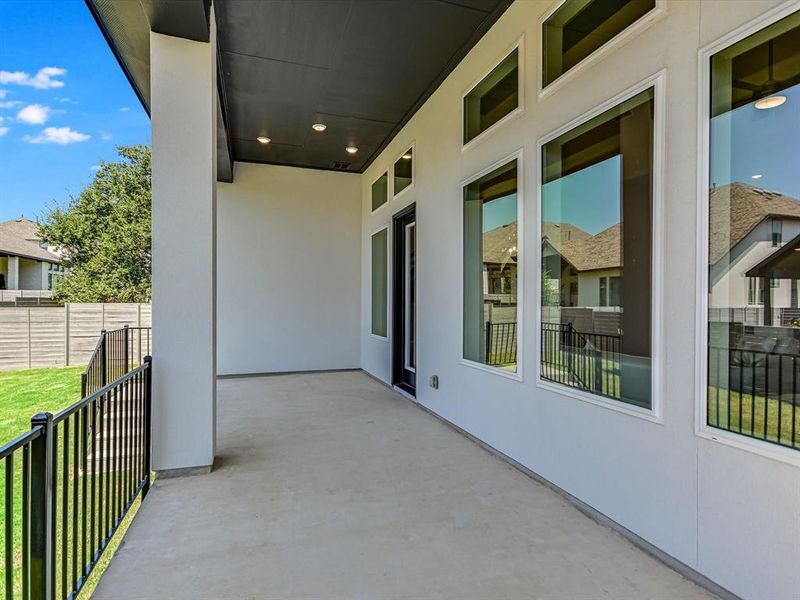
[388, 281]
[519, 45]
[517, 376]
[654, 414]
[413, 147]
[702, 429]
[636, 28]
[388, 196]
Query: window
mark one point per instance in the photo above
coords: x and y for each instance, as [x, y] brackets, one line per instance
[603, 291]
[491, 264]
[777, 232]
[380, 245]
[597, 206]
[579, 27]
[404, 171]
[380, 191]
[753, 235]
[496, 96]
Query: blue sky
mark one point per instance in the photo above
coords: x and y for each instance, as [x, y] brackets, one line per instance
[58, 123]
[588, 199]
[765, 143]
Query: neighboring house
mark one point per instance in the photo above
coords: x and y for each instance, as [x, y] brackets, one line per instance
[588, 267]
[26, 263]
[762, 223]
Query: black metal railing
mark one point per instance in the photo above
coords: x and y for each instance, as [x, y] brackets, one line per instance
[68, 484]
[755, 393]
[587, 361]
[117, 352]
[501, 343]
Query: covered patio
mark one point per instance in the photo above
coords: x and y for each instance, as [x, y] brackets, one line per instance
[332, 485]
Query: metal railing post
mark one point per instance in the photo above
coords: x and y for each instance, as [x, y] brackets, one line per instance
[125, 356]
[84, 386]
[598, 371]
[104, 362]
[41, 510]
[148, 414]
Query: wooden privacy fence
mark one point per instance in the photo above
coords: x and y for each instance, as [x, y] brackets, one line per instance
[61, 336]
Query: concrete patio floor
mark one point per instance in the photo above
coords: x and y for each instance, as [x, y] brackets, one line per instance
[333, 486]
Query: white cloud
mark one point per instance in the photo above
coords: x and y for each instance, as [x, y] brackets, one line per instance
[58, 135]
[43, 79]
[11, 104]
[3, 93]
[105, 135]
[94, 168]
[3, 131]
[125, 109]
[34, 114]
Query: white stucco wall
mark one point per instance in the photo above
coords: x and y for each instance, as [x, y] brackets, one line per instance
[729, 513]
[30, 274]
[289, 278]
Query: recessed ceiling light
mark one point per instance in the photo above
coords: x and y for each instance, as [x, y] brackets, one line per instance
[770, 102]
[756, 176]
[351, 149]
[263, 139]
[406, 157]
[319, 127]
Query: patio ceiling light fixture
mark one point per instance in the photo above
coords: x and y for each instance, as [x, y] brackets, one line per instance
[263, 139]
[406, 157]
[319, 127]
[756, 176]
[770, 102]
[351, 149]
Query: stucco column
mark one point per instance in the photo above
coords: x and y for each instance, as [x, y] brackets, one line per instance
[183, 114]
[12, 281]
[44, 269]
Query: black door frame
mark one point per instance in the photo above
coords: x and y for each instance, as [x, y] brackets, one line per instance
[401, 377]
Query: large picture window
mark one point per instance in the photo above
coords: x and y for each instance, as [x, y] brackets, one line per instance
[579, 27]
[496, 96]
[491, 263]
[754, 236]
[380, 249]
[596, 281]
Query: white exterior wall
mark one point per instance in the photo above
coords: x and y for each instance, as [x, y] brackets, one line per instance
[729, 513]
[589, 286]
[30, 274]
[289, 270]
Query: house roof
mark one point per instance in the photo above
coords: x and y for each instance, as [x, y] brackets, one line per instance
[737, 208]
[583, 251]
[500, 244]
[20, 237]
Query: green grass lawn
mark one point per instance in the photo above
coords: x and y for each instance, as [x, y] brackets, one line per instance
[23, 394]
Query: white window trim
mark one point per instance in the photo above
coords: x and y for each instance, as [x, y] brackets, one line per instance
[518, 375]
[655, 413]
[388, 196]
[703, 430]
[644, 22]
[519, 45]
[411, 146]
[388, 281]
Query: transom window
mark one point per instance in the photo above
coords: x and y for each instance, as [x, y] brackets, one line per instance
[596, 217]
[579, 27]
[496, 96]
[380, 191]
[404, 171]
[754, 236]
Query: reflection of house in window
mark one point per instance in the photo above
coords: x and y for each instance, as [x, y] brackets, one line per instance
[589, 266]
[748, 226]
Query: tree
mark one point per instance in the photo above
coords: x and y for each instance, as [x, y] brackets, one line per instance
[104, 233]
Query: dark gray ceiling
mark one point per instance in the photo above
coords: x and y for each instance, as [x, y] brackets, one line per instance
[362, 67]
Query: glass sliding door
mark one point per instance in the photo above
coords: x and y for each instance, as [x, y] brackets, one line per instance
[596, 245]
